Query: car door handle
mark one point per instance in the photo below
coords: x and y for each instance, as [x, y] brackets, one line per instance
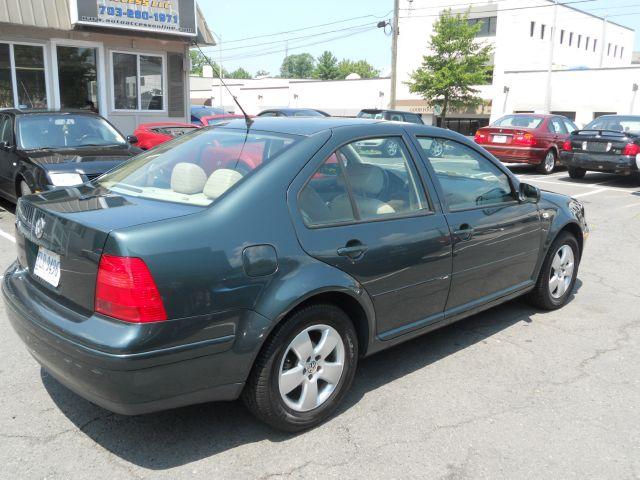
[353, 251]
[464, 233]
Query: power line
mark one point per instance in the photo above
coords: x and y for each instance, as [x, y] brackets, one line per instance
[442, 7]
[507, 9]
[309, 27]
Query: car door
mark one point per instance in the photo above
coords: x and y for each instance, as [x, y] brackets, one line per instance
[372, 217]
[558, 131]
[8, 157]
[496, 238]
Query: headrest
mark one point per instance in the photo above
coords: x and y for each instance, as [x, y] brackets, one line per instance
[220, 181]
[188, 178]
[366, 179]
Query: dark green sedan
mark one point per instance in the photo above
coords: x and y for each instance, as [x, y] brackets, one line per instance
[263, 261]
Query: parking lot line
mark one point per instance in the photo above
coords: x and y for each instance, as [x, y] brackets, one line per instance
[600, 190]
[9, 237]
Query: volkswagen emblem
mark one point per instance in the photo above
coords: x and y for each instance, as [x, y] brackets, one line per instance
[38, 229]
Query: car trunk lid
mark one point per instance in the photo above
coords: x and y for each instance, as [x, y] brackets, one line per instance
[501, 135]
[60, 236]
[608, 142]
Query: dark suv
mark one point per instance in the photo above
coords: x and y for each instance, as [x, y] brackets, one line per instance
[393, 115]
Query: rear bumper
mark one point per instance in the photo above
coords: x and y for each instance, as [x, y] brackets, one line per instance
[507, 154]
[620, 164]
[129, 382]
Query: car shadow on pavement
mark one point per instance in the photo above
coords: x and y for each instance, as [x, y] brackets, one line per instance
[7, 206]
[177, 437]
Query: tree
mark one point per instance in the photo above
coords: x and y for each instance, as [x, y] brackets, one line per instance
[240, 73]
[198, 60]
[262, 73]
[455, 64]
[327, 67]
[297, 66]
[361, 67]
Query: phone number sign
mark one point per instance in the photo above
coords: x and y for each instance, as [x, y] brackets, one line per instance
[175, 17]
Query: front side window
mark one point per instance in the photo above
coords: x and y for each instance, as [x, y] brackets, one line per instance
[467, 179]
[359, 183]
[66, 131]
[138, 82]
[199, 167]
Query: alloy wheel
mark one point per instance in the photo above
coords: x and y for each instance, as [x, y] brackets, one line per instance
[561, 271]
[549, 162]
[311, 368]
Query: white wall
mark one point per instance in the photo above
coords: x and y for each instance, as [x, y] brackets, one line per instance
[339, 97]
[515, 48]
[582, 91]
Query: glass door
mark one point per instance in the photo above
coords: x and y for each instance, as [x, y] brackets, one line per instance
[78, 77]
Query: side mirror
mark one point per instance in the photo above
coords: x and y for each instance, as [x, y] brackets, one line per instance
[5, 146]
[132, 139]
[528, 193]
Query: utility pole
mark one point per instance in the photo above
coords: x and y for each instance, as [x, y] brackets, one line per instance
[547, 104]
[394, 52]
[220, 67]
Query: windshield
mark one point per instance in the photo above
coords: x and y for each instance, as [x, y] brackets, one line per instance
[66, 131]
[197, 168]
[618, 124]
[520, 121]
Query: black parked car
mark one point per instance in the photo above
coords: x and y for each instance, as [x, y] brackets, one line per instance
[293, 112]
[175, 279]
[40, 150]
[610, 143]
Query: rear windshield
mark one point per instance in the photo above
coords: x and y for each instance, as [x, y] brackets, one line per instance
[618, 124]
[307, 113]
[198, 168]
[376, 115]
[520, 121]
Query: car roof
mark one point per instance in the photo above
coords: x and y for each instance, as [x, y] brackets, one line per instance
[304, 126]
[44, 111]
[291, 110]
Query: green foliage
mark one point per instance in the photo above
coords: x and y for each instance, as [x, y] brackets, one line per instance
[456, 64]
[240, 73]
[327, 67]
[361, 67]
[262, 73]
[297, 66]
[198, 60]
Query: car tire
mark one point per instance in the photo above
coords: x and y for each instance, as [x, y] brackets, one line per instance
[577, 173]
[391, 148]
[279, 367]
[548, 164]
[555, 283]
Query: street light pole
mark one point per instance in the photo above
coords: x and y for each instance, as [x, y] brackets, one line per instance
[220, 66]
[551, 50]
[394, 53]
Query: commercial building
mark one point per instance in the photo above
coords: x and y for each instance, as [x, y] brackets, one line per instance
[128, 60]
[524, 39]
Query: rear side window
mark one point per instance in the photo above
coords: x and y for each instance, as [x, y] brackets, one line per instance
[410, 117]
[569, 125]
[359, 183]
[467, 179]
[557, 126]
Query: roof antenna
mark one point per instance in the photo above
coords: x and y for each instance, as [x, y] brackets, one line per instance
[247, 118]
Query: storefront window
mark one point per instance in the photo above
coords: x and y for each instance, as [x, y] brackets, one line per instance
[77, 77]
[151, 82]
[30, 76]
[6, 84]
[125, 83]
[138, 82]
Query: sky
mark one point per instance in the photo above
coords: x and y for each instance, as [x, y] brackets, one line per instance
[354, 36]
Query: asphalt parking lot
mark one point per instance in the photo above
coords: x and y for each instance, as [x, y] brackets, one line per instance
[511, 393]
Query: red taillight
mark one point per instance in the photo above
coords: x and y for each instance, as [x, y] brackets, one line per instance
[631, 149]
[481, 137]
[566, 146]
[126, 290]
[525, 139]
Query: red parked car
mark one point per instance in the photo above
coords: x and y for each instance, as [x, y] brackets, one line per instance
[528, 138]
[148, 135]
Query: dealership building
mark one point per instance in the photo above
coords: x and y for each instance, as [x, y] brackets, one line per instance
[127, 60]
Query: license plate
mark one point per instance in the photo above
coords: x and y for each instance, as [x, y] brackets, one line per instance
[499, 139]
[47, 266]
